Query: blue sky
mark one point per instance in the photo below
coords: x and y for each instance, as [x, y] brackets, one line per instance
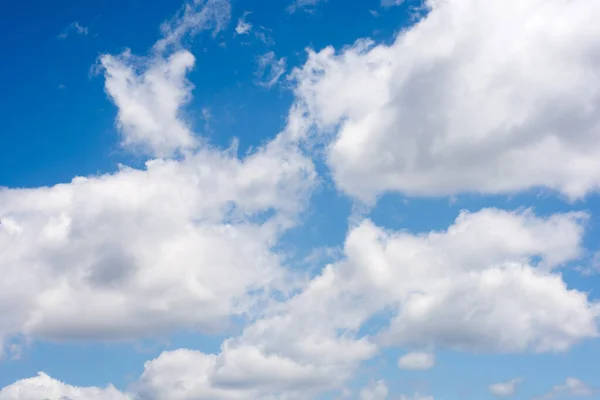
[239, 199]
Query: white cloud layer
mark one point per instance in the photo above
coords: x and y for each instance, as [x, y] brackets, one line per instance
[438, 288]
[188, 241]
[479, 96]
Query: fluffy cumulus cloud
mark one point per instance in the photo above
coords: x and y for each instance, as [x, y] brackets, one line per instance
[188, 241]
[441, 291]
[183, 242]
[478, 96]
[484, 284]
[505, 389]
[177, 243]
[149, 103]
[44, 387]
[417, 361]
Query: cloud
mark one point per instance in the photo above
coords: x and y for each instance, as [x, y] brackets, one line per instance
[150, 92]
[477, 286]
[416, 396]
[377, 391]
[75, 28]
[391, 3]
[195, 16]
[129, 254]
[182, 243]
[149, 103]
[571, 388]
[417, 361]
[243, 372]
[189, 241]
[439, 289]
[243, 27]
[44, 387]
[303, 5]
[269, 69]
[505, 389]
[511, 86]
[261, 33]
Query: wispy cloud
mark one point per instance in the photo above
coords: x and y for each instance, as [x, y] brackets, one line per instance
[194, 17]
[74, 28]
[391, 3]
[571, 388]
[269, 69]
[505, 389]
[303, 5]
[243, 27]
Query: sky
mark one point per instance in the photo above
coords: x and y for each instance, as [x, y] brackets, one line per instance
[300, 199]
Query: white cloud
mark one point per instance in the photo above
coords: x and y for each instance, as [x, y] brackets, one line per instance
[440, 288]
[303, 5]
[243, 27]
[508, 100]
[505, 389]
[181, 243]
[571, 388]
[128, 254]
[243, 372]
[195, 16]
[149, 103]
[377, 391]
[475, 286]
[150, 92]
[74, 27]
[391, 3]
[189, 242]
[417, 361]
[269, 69]
[44, 387]
[443, 292]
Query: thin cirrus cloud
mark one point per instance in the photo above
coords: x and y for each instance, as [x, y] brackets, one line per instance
[303, 5]
[190, 240]
[269, 69]
[74, 28]
[572, 387]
